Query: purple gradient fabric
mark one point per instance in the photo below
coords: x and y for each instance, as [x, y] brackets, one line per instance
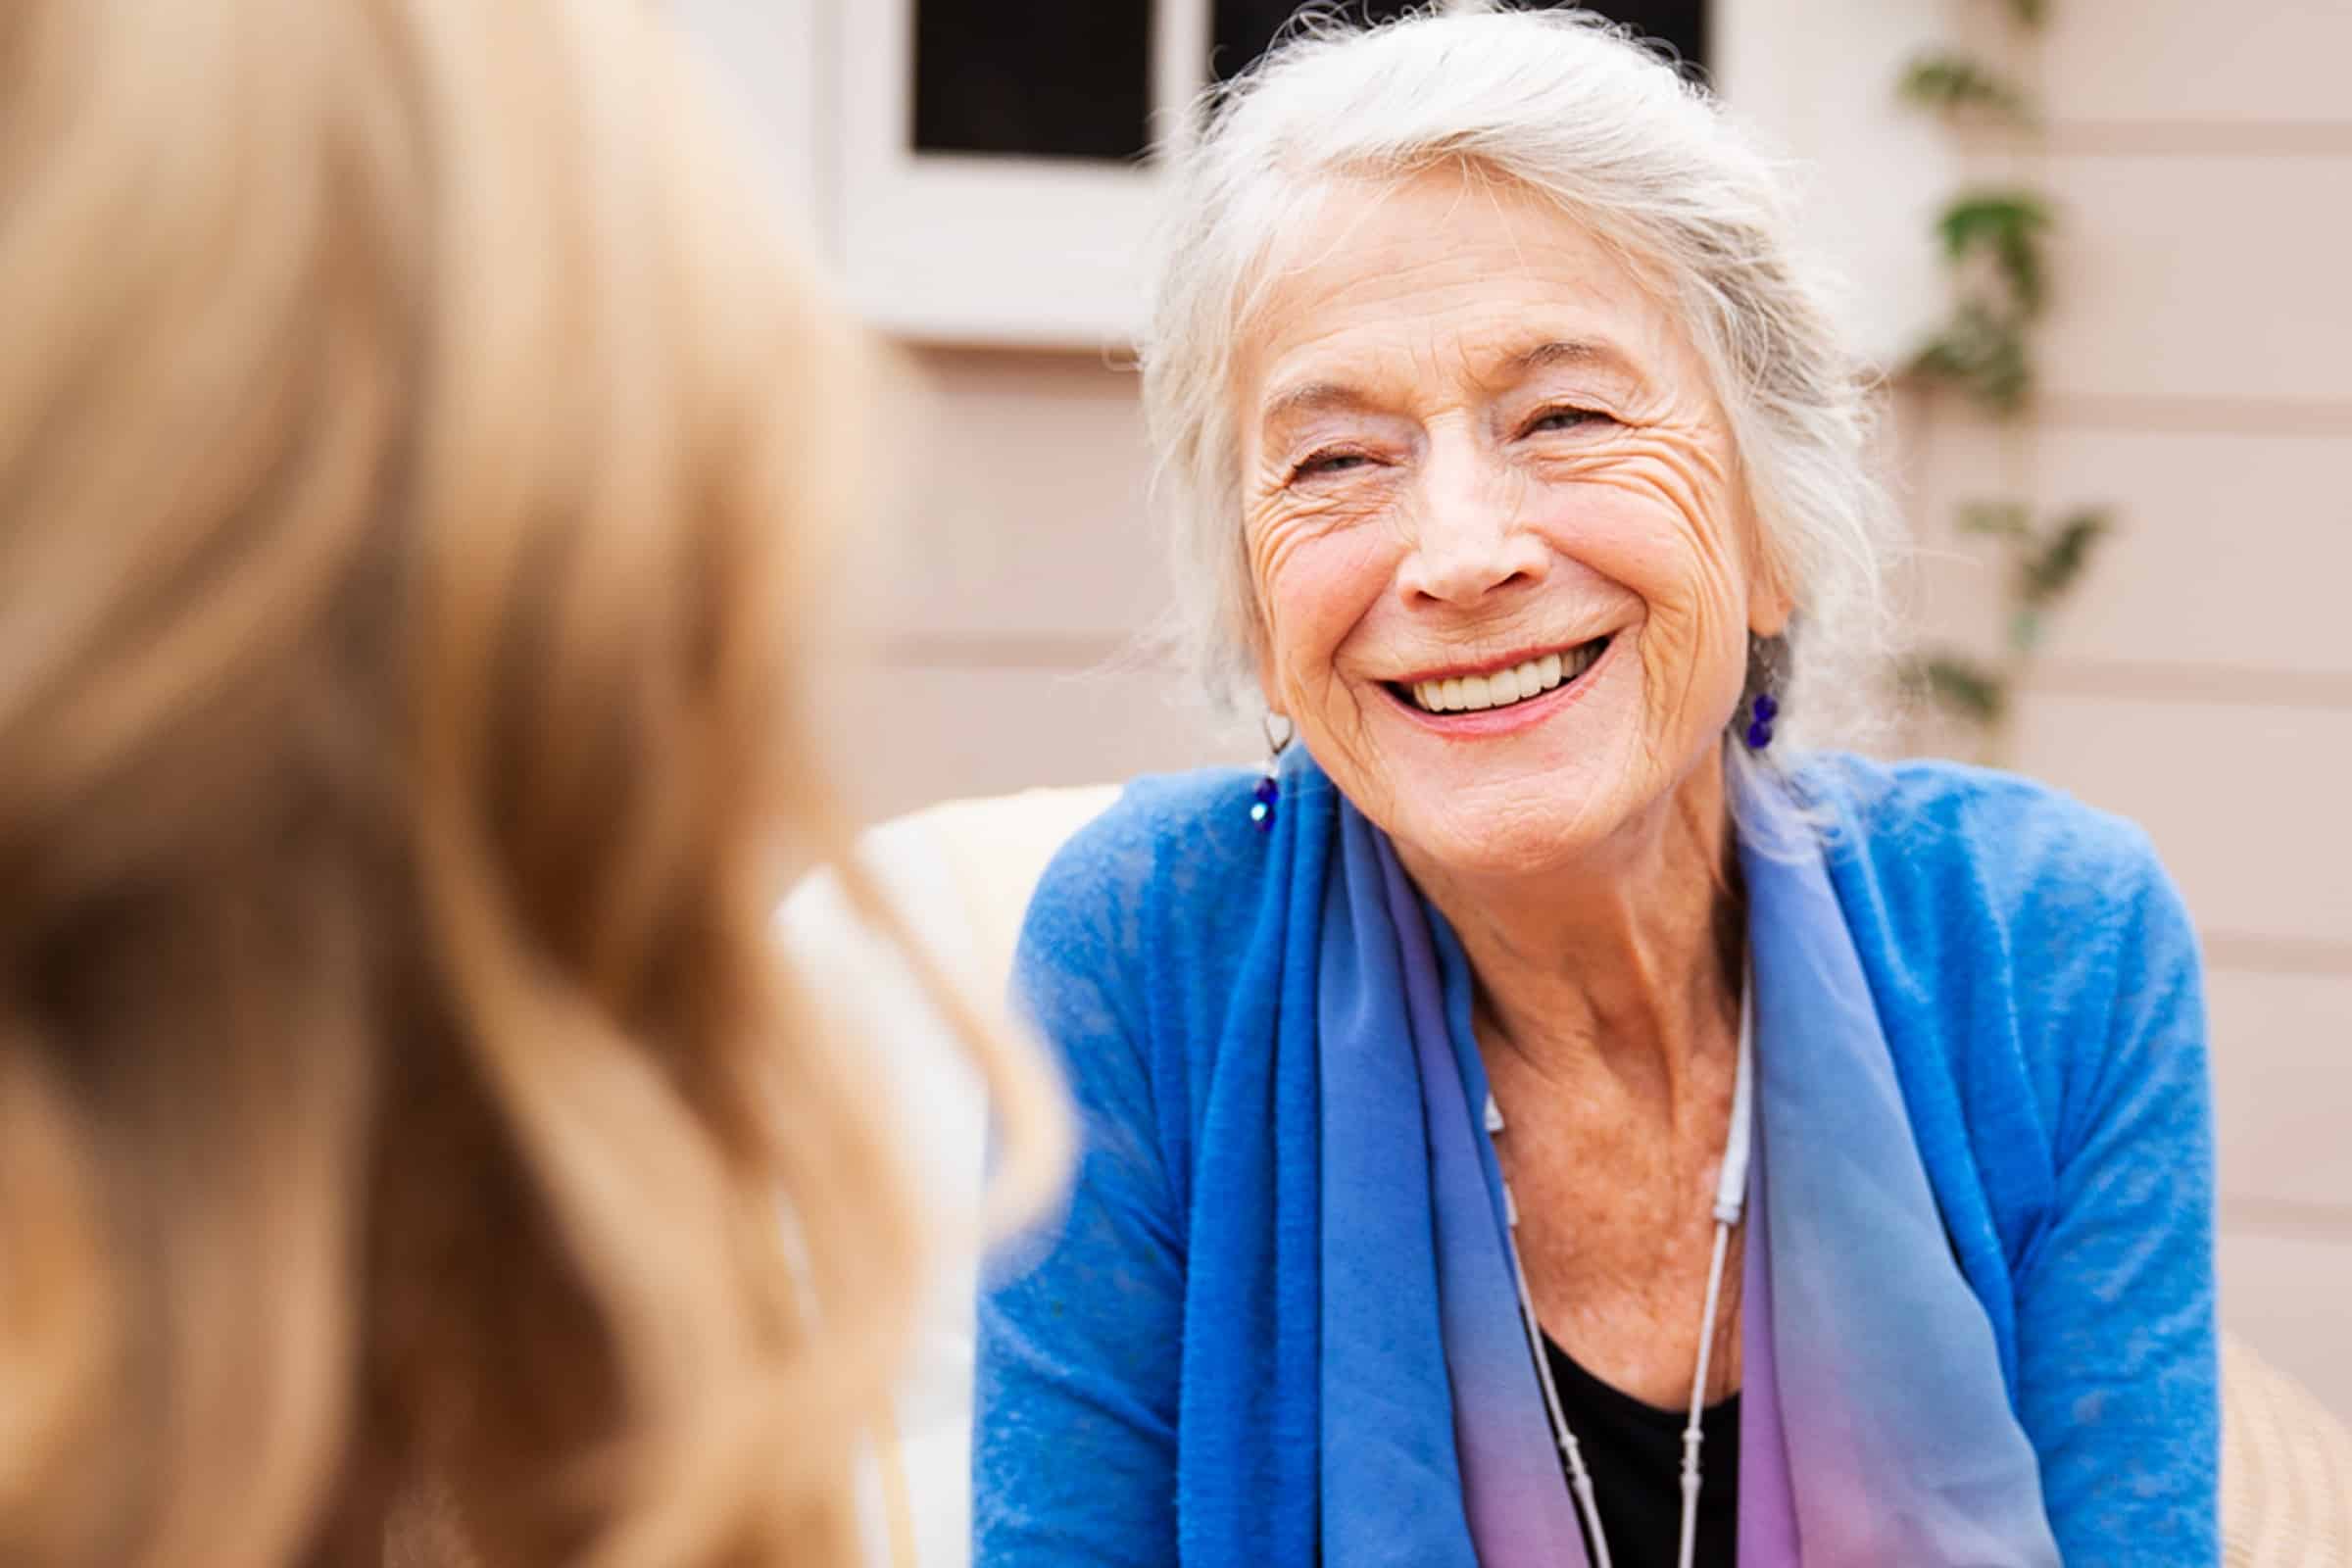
[1875, 1424]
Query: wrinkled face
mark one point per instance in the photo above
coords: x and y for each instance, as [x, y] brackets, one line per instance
[1505, 574]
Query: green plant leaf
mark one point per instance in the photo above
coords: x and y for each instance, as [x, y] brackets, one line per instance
[2033, 13]
[1962, 687]
[1980, 353]
[1999, 520]
[1953, 84]
[2008, 226]
[2049, 574]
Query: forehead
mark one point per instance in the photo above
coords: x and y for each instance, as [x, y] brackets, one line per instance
[1448, 275]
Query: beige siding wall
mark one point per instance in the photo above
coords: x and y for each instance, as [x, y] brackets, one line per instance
[1025, 578]
[2200, 381]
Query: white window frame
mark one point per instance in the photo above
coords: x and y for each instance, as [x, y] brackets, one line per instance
[1031, 252]
[1052, 254]
[1816, 80]
[771, 61]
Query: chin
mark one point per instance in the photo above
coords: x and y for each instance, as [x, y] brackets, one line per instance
[1510, 827]
[1483, 796]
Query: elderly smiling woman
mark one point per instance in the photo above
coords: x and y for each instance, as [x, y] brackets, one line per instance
[1549, 1119]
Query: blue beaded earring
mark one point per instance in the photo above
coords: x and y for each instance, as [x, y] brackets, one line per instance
[1268, 793]
[1764, 669]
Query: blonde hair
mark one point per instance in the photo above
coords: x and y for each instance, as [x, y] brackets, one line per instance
[417, 454]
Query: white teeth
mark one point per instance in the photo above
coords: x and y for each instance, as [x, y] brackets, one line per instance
[1504, 687]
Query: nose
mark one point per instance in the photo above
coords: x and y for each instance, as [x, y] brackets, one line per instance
[1469, 543]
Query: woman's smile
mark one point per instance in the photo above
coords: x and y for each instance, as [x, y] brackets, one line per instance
[1503, 697]
[1488, 476]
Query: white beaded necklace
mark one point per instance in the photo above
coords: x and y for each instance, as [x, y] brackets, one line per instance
[1731, 1199]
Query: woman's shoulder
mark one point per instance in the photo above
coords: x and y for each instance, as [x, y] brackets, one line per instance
[2035, 969]
[1170, 843]
[1957, 836]
[1974, 895]
[1133, 944]
[1199, 806]
[1197, 821]
[2003, 918]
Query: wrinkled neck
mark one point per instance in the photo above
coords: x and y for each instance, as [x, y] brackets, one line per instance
[1624, 960]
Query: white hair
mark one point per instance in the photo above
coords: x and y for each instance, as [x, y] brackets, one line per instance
[1578, 112]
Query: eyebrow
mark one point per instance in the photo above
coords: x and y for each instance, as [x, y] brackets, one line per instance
[1598, 351]
[1319, 396]
[1310, 397]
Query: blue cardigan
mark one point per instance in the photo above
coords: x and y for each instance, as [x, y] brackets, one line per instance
[2038, 981]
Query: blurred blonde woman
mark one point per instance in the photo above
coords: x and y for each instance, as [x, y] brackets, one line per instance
[415, 454]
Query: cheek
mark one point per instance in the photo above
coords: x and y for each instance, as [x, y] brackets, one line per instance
[1313, 587]
[1659, 523]
[1663, 527]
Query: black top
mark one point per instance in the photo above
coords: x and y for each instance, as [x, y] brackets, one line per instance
[1634, 1453]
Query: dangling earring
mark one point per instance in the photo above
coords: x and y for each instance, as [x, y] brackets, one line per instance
[1766, 707]
[1269, 788]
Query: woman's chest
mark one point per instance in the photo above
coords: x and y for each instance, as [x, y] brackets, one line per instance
[1615, 1228]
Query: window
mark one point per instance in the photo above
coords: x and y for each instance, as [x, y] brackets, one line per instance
[1041, 78]
[992, 180]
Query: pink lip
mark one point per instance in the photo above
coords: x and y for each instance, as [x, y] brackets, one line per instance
[1512, 662]
[1489, 722]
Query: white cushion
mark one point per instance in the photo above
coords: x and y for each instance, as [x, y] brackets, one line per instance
[960, 874]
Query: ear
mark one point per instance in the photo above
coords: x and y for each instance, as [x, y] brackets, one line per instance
[1266, 687]
[1261, 653]
[1769, 606]
[1770, 601]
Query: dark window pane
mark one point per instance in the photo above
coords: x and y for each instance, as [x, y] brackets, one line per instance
[1036, 78]
[1240, 30]
[1682, 24]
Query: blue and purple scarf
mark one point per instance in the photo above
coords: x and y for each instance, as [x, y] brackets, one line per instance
[1875, 1428]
